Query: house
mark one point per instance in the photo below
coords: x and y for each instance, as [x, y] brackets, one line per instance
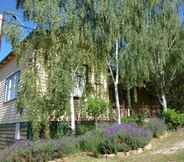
[14, 127]
[11, 128]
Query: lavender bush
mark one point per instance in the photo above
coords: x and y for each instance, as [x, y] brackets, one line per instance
[41, 151]
[112, 139]
[157, 126]
[129, 134]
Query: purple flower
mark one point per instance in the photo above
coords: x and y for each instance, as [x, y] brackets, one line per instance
[126, 129]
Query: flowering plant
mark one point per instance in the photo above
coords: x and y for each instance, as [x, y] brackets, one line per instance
[129, 134]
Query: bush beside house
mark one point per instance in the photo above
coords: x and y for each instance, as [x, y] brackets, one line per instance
[103, 140]
[109, 140]
[173, 119]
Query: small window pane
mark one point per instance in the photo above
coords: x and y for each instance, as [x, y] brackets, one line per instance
[11, 86]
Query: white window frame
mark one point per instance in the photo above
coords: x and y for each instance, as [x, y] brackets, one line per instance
[11, 86]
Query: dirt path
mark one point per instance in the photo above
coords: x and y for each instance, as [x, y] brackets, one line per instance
[173, 149]
[170, 149]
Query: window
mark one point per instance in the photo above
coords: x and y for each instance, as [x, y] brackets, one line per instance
[11, 86]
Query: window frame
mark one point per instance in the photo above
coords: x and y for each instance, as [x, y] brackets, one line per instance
[7, 89]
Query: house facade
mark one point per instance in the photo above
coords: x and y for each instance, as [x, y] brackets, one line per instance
[11, 127]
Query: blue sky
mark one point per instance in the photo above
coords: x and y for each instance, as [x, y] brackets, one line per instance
[10, 6]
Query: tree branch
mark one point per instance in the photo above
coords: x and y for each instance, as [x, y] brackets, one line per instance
[109, 66]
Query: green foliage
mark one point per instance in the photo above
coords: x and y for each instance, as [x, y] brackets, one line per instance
[51, 58]
[91, 140]
[114, 139]
[86, 33]
[109, 146]
[59, 129]
[137, 119]
[173, 119]
[167, 59]
[96, 141]
[114, 145]
[175, 99]
[40, 151]
[157, 126]
[96, 107]
[84, 128]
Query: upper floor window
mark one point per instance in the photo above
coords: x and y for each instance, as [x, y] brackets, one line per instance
[11, 86]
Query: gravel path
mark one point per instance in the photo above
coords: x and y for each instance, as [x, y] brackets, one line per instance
[176, 147]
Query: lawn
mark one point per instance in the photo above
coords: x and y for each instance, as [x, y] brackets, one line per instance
[170, 149]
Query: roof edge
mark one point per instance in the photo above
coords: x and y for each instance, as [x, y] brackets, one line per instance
[6, 58]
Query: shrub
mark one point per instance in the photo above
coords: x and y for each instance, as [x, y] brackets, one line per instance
[129, 134]
[173, 119]
[107, 146]
[116, 138]
[157, 126]
[110, 146]
[84, 128]
[59, 129]
[91, 141]
[96, 107]
[24, 151]
[40, 151]
[129, 120]
[139, 119]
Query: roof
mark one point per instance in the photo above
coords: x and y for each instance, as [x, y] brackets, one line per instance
[7, 58]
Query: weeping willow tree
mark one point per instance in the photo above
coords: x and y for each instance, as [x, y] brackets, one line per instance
[118, 29]
[50, 57]
[165, 45]
[120, 35]
[103, 20]
[134, 59]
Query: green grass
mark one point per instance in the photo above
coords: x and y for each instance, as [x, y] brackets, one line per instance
[148, 156]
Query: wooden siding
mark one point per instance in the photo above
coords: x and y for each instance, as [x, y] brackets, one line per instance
[7, 134]
[7, 109]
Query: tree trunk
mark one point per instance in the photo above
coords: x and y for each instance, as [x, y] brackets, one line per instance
[129, 101]
[117, 103]
[117, 81]
[164, 102]
[72, 112]
[115, 78]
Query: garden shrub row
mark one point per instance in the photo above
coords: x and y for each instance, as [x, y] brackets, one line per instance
[123, 137]
[111, 139]
[40, 151]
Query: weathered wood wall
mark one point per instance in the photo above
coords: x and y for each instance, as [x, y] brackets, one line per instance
[7, 134]
[8, 112]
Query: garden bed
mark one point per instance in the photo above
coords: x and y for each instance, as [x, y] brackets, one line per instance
[117, 139]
